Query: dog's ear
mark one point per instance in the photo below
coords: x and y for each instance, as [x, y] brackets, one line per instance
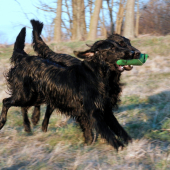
[87, 55]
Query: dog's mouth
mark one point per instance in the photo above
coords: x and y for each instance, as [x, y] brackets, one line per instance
[125, 67]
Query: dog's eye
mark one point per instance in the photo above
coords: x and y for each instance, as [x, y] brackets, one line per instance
[122, 44]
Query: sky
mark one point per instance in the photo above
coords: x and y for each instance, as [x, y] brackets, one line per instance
[15, 14]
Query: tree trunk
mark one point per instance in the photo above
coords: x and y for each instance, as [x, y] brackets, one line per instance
[111, 16]
[90, 7]
[137, 20]
[103, 27]
[74, 26]
[129, 19]
[57, 23]
[82, 21]
[79, 25]
[120, 15]
[94, 20]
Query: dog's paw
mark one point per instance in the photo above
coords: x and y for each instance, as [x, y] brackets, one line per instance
[44, 128]
[27, 128]
[117, 144]
[127, 139]
[34, 120]
[2, 123]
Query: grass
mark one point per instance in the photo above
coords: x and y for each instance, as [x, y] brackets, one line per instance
[149, 118]
[144, 112]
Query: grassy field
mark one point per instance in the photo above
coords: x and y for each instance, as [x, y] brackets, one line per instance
[144, 112]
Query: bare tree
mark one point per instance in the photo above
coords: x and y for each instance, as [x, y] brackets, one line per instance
[155, 17]
[120, 16]
[129, 20]
[110, 7]
[137, 20]
[79, 25]
[102, 24]
[57, 22]
[94, 20]
[90, 3]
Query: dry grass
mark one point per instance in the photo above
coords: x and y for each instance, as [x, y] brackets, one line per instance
[144, 112]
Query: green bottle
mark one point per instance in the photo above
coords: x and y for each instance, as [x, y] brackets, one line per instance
[138, 62]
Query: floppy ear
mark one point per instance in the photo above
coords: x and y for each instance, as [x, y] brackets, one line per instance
[84, 55]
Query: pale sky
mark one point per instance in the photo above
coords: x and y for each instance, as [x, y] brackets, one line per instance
[12, 18]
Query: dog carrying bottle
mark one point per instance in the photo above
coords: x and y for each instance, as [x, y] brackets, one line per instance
[138, 62]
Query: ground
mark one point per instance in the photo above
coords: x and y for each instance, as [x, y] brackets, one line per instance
[144, 112]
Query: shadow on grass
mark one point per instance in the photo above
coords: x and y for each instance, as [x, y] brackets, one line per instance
[149, 118]
[20, 165]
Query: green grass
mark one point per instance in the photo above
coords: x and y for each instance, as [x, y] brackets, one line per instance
[6, 52]
[145, 117]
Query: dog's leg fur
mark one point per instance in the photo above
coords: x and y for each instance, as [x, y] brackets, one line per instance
[26, 121]
[85, 125]
[48, 113]
[7, 103]
[114, 125]
[103, 129]
[4, 111]
[35, 115]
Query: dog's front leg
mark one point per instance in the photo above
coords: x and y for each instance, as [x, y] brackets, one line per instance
[103, 129]
[114, 125]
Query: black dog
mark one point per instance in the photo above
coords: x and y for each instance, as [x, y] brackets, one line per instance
[45, 52]
[81, 91]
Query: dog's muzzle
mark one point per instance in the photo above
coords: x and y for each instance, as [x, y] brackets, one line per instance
[126, 67]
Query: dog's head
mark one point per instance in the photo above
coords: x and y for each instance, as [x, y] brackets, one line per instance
[124, 42]
[114, 48]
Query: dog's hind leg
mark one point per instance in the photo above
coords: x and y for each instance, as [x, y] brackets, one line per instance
[7, 103]
[48, 113]
[26, 121]
[114, 125]
[35, 115]
[5, 107]
[103, 129]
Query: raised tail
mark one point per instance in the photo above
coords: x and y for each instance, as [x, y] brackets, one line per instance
[19, 45]
[37, 29]
[39, 45]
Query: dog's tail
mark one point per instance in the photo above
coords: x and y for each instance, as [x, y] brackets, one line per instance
[19, 46]
[39, 45]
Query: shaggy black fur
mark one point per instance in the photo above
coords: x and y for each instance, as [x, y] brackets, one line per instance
[81, 91]
[66, 60]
